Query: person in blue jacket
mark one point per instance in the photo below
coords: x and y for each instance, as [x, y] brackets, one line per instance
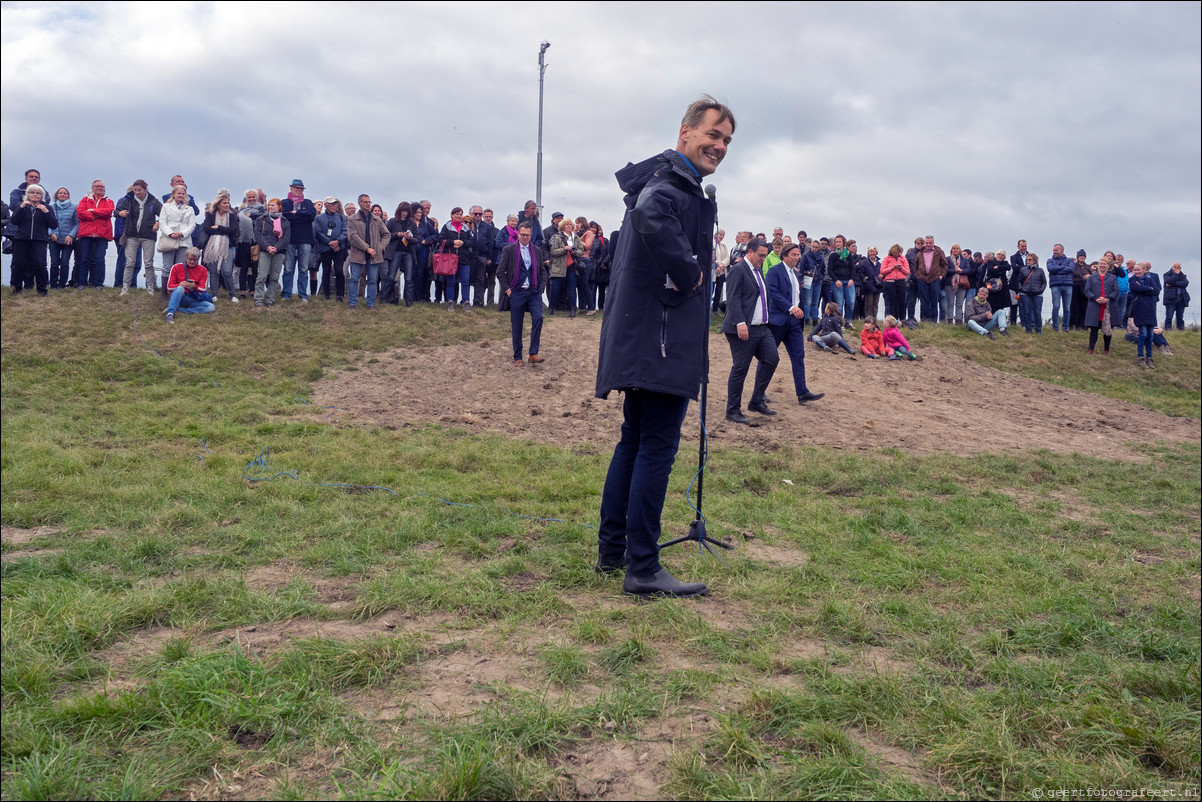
[1175, 296]
[1060, 280]
[62, 238]
[653, 338]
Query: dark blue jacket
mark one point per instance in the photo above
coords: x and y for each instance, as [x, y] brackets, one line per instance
[1174, 288]
[779, 292]
[1144, 292]
[1060, 271]
[812, 264]
[33, 224]
[486, 243]
[654, 330]
[329, 226]
[300, 218]
[967, 268]
[868, 274]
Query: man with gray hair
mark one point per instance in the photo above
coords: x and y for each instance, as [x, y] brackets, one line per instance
[140, 210]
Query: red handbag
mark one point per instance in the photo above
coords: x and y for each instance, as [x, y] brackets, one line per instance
[445, 264]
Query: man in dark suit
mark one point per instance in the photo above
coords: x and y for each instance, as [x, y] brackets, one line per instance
[523, 276]
[746, 329]
[785, 315]
[1018, 261]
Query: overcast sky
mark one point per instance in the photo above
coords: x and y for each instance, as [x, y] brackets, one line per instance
[978, 123]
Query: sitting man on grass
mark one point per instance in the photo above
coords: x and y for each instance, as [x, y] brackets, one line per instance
[980, 316]
[187, 285]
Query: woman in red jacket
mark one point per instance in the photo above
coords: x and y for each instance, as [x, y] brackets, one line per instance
[95, 213]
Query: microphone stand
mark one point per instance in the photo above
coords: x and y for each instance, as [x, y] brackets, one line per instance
[697, 527]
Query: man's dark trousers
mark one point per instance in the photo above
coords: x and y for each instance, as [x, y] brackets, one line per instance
[759, 344]
[522, 301]
[794, 338]
[637, 482]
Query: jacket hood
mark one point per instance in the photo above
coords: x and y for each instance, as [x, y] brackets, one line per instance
[633, 177]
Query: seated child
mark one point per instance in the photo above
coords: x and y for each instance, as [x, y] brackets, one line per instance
[829, 331]
[872, 342]
[895, 340]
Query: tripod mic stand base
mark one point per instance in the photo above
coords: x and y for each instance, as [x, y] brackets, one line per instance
[697, 533]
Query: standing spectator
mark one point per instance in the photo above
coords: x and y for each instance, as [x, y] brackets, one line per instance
[30, 227]
[456, 236]
[530, 214]
[958, 283]
[1175, 296]
[813, 269]
[246, 255]
[523, 276]
[1100, 288]
[1060, 280]
[894, 272]
[62, 239]
[300, 213]
[177, 220]
[930, 265]
[178, 181]
[427, 230]
[17, 196]
[330, 233]
[600, 263]
[870, 282]
[721, 263]
[1018, 261]
[95, 232]
[272, 237]
[840, 272]
[366, 236]
[486, 256]
[1145, 292]
[582, 239]
[140, 211]
[563, 256]
[507, 236]
[1118, 307]
[1031, 283]
[912, 282]
[1081, 271]
[398, 256]
[221, 242]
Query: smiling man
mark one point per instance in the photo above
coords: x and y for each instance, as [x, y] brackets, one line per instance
[652, 339]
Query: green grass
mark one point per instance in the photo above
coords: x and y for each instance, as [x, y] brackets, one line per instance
[960, 627]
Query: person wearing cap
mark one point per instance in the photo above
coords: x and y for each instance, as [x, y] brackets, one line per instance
[1081, 273]
[300, 214]
[330, 233]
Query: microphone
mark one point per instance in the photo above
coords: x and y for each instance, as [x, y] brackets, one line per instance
[712, 192]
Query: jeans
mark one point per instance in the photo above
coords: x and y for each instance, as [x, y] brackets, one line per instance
[813, 301]
[557, 288]
[928, 292]
[1144, 340]
[1032, 312]
[1061, 296]
[60, 264]
[389, 269]
[845, 297]
[91, 261]
[268, 278]
[352, 296]
[222, 273]
[584, 293]
[296, 262]
[522, 301]
[132, 246]
[1174, 310]
[637, 482]
[997, 321]
[830, 340]
[181, 301]
[463, 279]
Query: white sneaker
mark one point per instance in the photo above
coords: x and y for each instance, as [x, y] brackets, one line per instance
[125, 290]
[233, 299]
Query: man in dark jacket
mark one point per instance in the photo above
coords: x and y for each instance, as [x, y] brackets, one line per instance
[747, 332]
[1060, 279]
[484, 273]
[653, 339]
[1175, 295]
[523, 276]
[140, 211]
[1081, 273]
[300, 213]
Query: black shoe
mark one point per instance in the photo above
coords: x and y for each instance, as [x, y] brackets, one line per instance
[737, 417]
[767, 400]
[761, 409]
[809, 396]
[661, 584]
[1005, 332]
[603, 567]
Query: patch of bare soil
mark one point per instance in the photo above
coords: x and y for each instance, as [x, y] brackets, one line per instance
[16, 536]
[891, 758]
[942, 404]
[462, 683]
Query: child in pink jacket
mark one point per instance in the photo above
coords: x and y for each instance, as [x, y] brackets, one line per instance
[896, 340]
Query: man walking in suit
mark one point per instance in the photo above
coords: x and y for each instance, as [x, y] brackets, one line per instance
[523, 276]
[746, 329]
[785, 317]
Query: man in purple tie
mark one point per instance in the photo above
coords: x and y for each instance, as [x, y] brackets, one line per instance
[746, 329]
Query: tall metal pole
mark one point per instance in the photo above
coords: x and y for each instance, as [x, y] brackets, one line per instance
[542, 67]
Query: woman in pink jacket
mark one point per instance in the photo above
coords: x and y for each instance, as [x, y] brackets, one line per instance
[894, 272]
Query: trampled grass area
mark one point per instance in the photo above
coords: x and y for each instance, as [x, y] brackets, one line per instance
[890, 626]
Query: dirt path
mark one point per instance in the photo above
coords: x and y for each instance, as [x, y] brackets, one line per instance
[942, 404]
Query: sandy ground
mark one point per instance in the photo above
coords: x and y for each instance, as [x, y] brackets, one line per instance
[941, 404]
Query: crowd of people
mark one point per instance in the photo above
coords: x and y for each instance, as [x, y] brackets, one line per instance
[264, 248]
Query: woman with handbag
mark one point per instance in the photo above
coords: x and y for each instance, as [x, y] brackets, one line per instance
[563, 257]
[175, 226]
[959, 282]
[246, 252]
[457, 238]
[600, 264]
[399, 254]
